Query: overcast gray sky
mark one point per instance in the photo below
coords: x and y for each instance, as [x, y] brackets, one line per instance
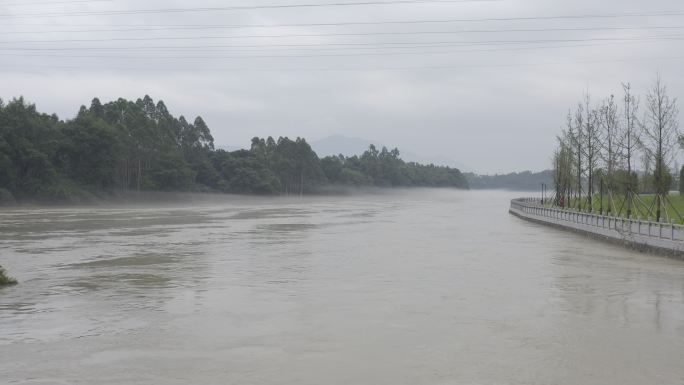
[487, 83]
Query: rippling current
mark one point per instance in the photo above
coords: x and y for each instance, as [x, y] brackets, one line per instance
[405, 287]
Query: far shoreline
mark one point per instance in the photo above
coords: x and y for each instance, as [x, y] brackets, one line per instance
[134, 198]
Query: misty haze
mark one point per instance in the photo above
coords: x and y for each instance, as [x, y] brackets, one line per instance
[341, 192]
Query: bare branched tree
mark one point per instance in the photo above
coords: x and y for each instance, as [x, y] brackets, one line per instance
[628, 142]
[591, 147]
[577, 143]
[660, 136]
[563, 161]
[608, 122]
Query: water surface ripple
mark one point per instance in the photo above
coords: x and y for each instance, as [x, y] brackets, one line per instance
[408, 287]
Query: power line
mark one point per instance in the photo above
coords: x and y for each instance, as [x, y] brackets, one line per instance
[271, 56]
[475, 20]
[21, 4]
[233, 8]
[454, 42]
[356, 69]
[467, 31]
[157, 38]
[196, 50]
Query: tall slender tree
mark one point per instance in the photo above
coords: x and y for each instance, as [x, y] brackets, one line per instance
[577, 139]
[563, 170]
[661, 133]
[628, 142]
[592, 146]
[608, 121]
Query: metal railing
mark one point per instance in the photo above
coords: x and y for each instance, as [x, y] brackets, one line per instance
[627, 228]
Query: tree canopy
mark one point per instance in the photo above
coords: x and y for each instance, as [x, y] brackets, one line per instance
[139, 145]
[516, 181]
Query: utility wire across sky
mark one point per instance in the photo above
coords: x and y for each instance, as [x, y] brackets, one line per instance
[302, 47]
[220, 55]
[393, 43]
[232, 8]
[61, 2]
[672, 13]
[463, 31]
[377, 68]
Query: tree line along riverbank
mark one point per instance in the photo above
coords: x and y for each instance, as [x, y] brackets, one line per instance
[123, 145]
[618, 156]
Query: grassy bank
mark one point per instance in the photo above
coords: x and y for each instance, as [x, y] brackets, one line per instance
[643, 206]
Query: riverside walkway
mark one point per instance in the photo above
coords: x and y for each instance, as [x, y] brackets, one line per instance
[664, 238]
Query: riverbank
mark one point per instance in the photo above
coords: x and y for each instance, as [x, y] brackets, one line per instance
[643, 206]
[661, 238]
[170, 197]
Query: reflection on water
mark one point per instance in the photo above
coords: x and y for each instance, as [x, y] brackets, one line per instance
[408, 287]
[136, 260]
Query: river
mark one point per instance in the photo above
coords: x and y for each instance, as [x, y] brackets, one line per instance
[403, 287]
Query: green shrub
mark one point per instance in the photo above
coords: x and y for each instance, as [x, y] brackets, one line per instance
[5, 280]
[66, 191]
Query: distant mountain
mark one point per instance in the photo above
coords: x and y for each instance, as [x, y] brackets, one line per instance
[517, 181]
[349, 146]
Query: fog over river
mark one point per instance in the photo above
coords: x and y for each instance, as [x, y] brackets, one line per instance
[404, 287]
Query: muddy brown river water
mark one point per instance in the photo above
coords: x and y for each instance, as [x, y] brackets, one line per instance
[404, 287]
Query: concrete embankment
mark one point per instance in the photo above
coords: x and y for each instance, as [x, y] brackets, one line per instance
[663, 238]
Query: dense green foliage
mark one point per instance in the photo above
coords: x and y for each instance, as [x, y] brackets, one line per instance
[5, 280]
[517, 181]
[384, 168]
[125, 146]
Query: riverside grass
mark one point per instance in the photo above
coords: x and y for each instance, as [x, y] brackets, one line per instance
[640, 209]
[6, 280]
